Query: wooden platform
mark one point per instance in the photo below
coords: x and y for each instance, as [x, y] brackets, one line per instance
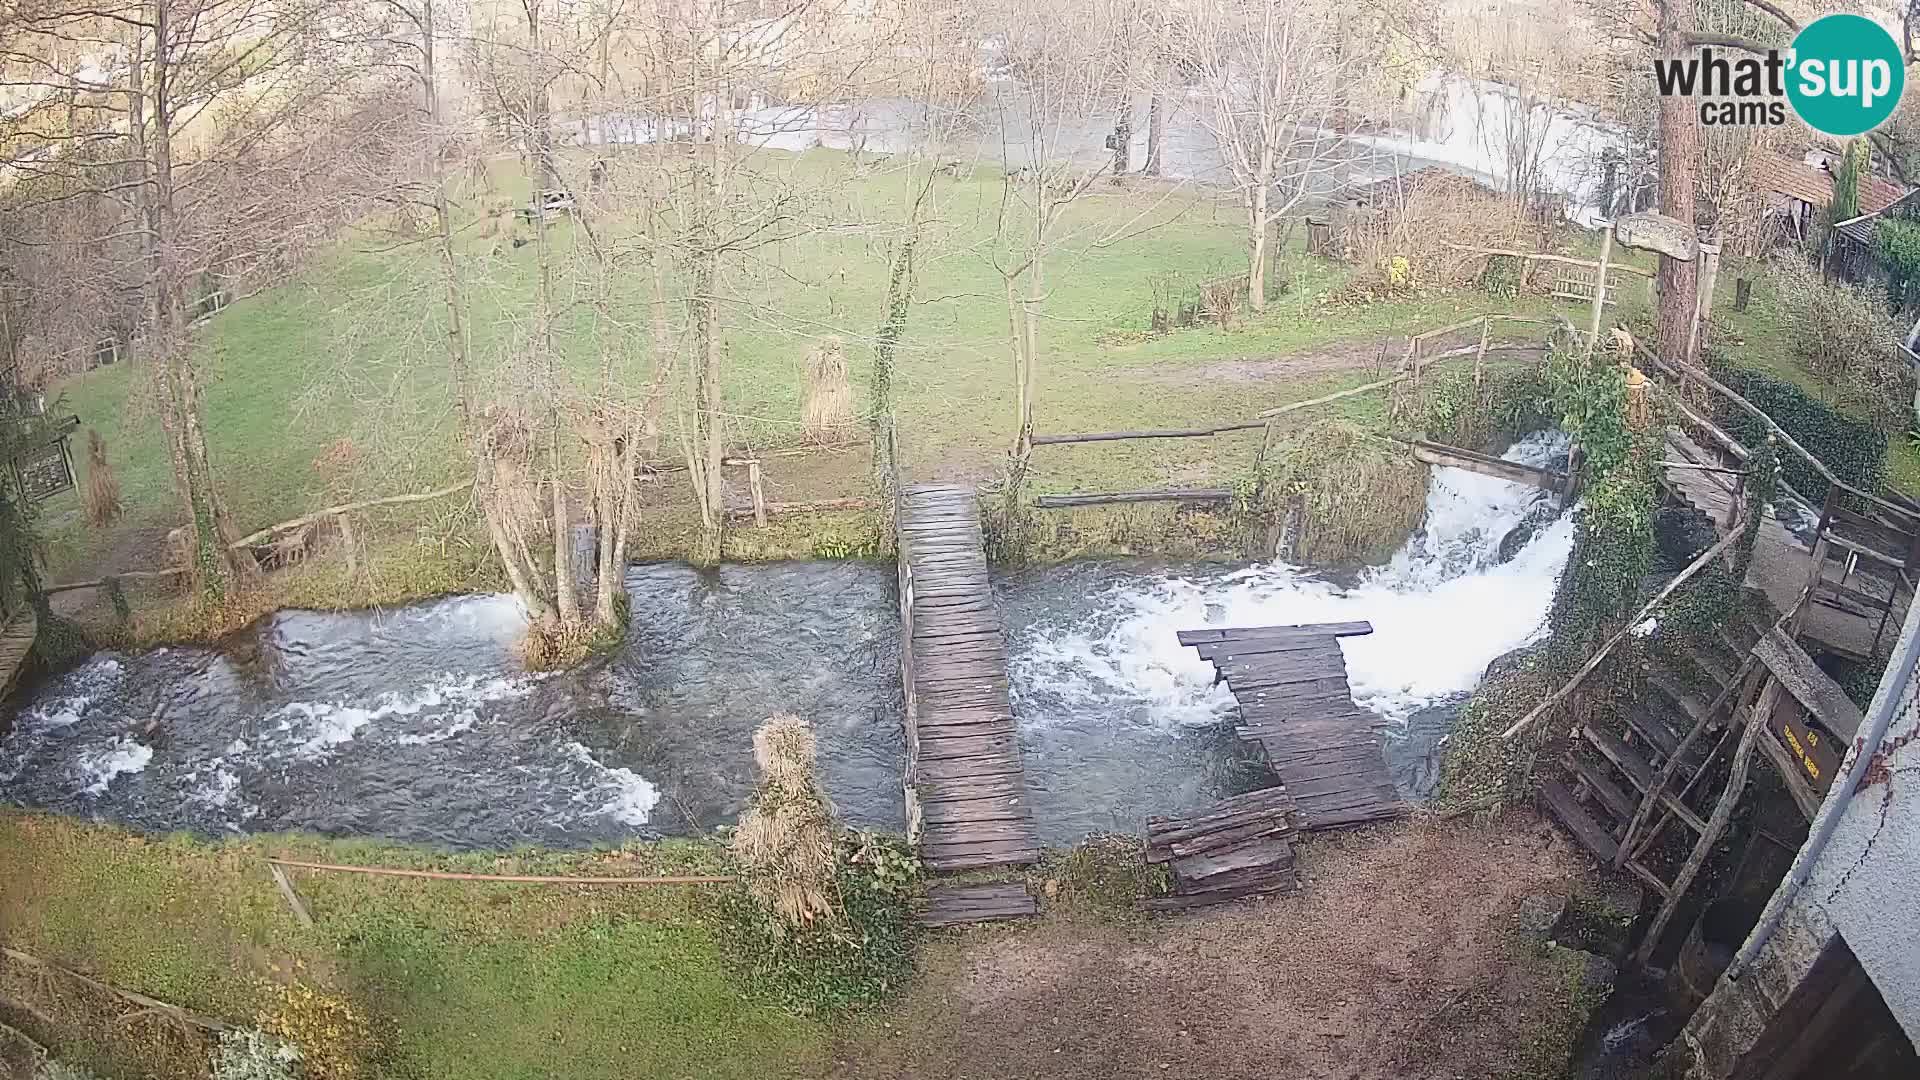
[1238, 847]
[952, 905]
[1291, 683]
[966, 788]
[16, 641]
[1782, 562]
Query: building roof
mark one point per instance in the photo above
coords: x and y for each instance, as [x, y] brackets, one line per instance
[1813, 185]
[1860, 229]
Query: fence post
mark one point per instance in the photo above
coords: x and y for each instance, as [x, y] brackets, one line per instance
[759, 493]
[1599, 290]
[1480, 357]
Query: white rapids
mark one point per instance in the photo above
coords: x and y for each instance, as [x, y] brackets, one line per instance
[1442, 608]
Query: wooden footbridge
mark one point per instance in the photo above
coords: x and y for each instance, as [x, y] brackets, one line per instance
[965, 787]
[1295, 705]
[16, 642]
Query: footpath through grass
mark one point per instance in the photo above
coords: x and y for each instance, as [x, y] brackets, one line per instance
[462, 980]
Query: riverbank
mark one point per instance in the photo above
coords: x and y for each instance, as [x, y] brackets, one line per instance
[480, 981]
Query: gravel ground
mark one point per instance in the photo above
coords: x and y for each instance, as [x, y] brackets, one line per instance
[1402, 957]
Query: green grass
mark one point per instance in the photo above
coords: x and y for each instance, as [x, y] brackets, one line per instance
[467, 980]
[345, 364]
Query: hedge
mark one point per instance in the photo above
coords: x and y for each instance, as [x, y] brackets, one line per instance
[1854, 449]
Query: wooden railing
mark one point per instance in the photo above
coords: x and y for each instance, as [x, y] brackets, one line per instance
[1412, 366]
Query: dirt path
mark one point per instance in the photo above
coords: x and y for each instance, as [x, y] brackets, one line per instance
[1401, 958]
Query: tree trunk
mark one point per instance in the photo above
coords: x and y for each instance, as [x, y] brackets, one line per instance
[886, 344]
[214, 566]
[1156, 132]
[566, 592]
[458, 366]
[1258, 225]
[1679, 160]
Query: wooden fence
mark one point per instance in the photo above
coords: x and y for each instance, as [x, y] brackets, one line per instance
[1414, 362]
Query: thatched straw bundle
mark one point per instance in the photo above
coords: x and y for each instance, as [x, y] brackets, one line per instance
[785, 841]
[103, 487]
[826, 412]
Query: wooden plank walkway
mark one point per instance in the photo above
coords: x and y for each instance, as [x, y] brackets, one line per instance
[951, 905]
[1782, 563]
[1291, 683]
[966, 788]
[16, 641]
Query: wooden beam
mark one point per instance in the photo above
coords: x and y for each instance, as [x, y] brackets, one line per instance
[1813, 688]
[1513, 472]
[1210, 635]
[1541, 256]
[533, 879]
[130, 575]
[306, 519]
[1110, 498]
[1679, 579]
[1380, 384]
[1717, 824]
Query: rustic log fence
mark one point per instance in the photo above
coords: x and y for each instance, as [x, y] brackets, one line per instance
[1415, 360]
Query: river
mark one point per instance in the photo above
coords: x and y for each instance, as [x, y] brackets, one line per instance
[420, 724]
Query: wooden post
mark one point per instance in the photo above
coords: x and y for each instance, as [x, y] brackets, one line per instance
[1600, 290]
[1703, 297]
[349, 543]
[759, 493]
[280, 881]
[1480, 355]
[1722, 814]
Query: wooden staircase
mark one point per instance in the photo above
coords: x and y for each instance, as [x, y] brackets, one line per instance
[1626, 784]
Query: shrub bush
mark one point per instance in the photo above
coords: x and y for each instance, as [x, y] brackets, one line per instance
[1842, 334]
[856, 955]
[1854, 449]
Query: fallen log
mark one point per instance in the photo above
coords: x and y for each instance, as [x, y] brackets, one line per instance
[155, 1005]
[346, 508]
[1112, 498]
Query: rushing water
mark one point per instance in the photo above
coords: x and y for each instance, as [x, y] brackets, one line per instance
[1124, 721]
[420, 724]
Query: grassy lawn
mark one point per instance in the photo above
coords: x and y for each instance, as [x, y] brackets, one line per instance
[466, 980]
[333, 385]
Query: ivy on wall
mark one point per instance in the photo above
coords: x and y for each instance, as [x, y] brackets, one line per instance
[1853, 448]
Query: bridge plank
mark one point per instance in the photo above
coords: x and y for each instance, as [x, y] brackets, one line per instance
[966, 777]
[1297, 707]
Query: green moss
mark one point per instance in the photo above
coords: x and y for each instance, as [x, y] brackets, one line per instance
[1102, 875]
[1482, 771]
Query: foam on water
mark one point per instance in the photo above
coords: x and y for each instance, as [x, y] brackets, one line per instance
[629, 798]
[313, 729]
[122, 756]
[1445, 606]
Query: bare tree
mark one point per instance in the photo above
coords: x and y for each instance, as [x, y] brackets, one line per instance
[215, 127]
[1270, 72]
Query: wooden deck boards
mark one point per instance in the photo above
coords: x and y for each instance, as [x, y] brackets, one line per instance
[968, 806]
[1241, 846]
[1291, 683]
[952, 905]
[16, 641]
